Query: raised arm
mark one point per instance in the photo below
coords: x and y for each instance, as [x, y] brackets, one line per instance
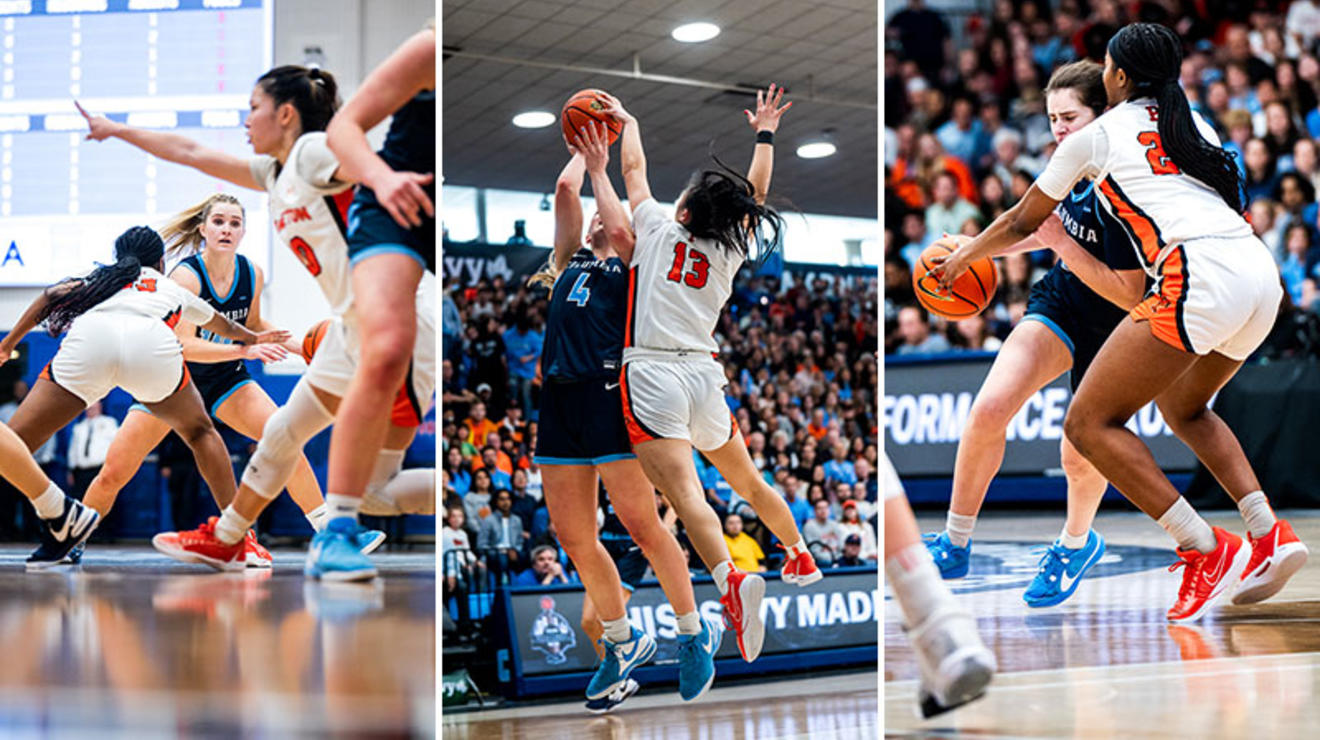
[406, 72]
[596, 149]
[173, 148]
[765, 121]
[632, 158]
[568, 212]
[32, 316]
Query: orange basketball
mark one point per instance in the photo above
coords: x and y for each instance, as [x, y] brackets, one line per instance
[584, 108]
[970, 293]
[312, 339]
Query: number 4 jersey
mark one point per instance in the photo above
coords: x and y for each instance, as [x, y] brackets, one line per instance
[584, 324]
[677, 286]
[1150, 198]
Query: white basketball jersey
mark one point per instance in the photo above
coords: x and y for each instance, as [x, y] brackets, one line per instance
[156, 296]
[677, 286]
[306, 217]
[1154, 202]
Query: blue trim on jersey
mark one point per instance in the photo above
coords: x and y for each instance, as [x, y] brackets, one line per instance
[1079, 197]
[584, 460]
[386, 249]
[233, 285]
[229, 393]
[627, 587]
[613, 458]
[140, 407]
[1058, 331]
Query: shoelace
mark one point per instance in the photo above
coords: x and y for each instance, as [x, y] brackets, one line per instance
[1191, 573]
[1053, 555]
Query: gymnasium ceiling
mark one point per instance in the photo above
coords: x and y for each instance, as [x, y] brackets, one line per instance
[823, 52]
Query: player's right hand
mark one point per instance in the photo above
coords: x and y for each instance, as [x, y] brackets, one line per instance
[265, 352]
[402, 196]
[100, 127]
[274, 336]
[594, 146]
[614, 108]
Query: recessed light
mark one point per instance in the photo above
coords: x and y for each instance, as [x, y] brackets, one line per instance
[816, 150]
[534, 119]
[692, 33]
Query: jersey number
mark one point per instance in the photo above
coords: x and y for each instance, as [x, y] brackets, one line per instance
[1160, 164]
[146, 285]
[580, 293]
[305, 255]
[700, 271]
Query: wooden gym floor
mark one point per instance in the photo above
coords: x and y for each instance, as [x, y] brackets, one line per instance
[132, 643]
[1106, 663]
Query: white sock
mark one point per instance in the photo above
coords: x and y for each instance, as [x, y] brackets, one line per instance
[797, 548]
[231, 526]
[1072, 541]
[316, 517]
[340, 506]
[1187, 527]
[50, 503]
[617, 630]
[1256, 512]
[721, 575]
[916, 582]
[689, 624]
[959, 528]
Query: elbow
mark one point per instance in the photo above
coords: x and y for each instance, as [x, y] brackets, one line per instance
[1019, 225]
[620, 237]
[565, 187]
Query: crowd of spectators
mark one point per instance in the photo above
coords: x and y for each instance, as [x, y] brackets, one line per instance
[966, 133]
[800, 355]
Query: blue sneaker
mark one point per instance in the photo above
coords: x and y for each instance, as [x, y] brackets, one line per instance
[696, 660]
[334, 555]
[1061, 569]
[601, 706]
[952, 560]
[369, 539]
[620, 659]
[59, 536]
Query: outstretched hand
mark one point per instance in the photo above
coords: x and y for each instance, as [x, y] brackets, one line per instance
[614, 108]
[273, 336]
[768, 109]
[100, 128]
[594, 146]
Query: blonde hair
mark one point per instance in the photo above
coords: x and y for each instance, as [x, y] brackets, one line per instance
[183, 232]
[546, 276]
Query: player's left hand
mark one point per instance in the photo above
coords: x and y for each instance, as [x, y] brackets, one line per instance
[273, 336]
[594, 146]
[768, 109]
[401, 194]
[265, 352]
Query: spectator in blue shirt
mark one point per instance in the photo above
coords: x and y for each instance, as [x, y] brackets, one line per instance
[797, 503]
[522, 347]
[546, 569]
[840, 470]
[964, 135]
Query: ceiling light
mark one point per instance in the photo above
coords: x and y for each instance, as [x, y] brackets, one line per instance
[816, 150]
[692, 33]
[534, 119]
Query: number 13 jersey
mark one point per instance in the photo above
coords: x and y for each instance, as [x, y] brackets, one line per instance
[678, 285]
[1152, 200]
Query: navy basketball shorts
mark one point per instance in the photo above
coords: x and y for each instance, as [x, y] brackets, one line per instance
[581, 423]
[1081, 318]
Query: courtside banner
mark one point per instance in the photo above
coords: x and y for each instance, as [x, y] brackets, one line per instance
[842, 610]
[926, 407]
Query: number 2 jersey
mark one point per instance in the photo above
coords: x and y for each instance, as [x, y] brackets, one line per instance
[1155, 204]
[677, 286]
[155, 296]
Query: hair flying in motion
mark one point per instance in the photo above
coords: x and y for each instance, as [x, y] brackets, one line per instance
[183, 232]
[138, 246]
[721, 206]
[1151, 55]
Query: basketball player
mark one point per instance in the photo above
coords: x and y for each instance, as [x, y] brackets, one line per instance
[232, 285]
[1065, 325]
[291, 107]
[119, 320]
[1178, 195]
[682, 271]
[580, 363]
[391, 245]
[954, 664]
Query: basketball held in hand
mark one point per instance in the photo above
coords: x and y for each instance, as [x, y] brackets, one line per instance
[969, 294]
[585, 108]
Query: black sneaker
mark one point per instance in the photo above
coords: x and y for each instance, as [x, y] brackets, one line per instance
[61, 535]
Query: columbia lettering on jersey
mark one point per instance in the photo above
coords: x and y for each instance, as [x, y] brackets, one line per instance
[585, 323]
[235, 304]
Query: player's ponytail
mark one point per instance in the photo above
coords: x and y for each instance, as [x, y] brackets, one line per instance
[71, 298]
[546, 276]
[182, 233]
[1151, 55]
[311, 90]
[721, 206]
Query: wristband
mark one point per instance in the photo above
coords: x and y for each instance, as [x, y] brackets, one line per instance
[765, 137]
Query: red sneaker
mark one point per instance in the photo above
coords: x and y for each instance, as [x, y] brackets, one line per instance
[256, 555]
[1208, 576]
[801, 570]
[200, 546]
[1274, 559]
[742, 612]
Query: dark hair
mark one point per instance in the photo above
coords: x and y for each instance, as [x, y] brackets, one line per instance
[1151, 56]
[1303, 184]
[722, 207]
[134, 248]
[1087, 79]
[312, 92]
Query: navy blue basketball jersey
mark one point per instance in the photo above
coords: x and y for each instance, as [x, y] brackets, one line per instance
[236, 303]
[410, 142]
[584, 328]
[1088, 224]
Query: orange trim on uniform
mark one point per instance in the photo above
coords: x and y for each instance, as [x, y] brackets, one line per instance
[1164, 308]
[632, 309]
[45, 373]
[406, 412]
[1144, 229]
[733, 431]
[637, 434]
[187, 377]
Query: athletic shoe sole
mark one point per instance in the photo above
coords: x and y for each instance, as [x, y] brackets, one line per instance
[1228, 581]
[1063, 596]
[376, 541]
[48, 564]
[185, 556]
[258, 563]
[807, 580]
[752, 636]
[972, 667]
[1288, 559]
[361, 574]
[648, 652]
[629, 688]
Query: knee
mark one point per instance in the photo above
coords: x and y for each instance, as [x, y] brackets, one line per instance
[575, 543]
[1075, 465]
[645, 530]
[1181, 420]
[116, 472]
[989, 413]
[195, 431]
[1079, 428]
[387, 349]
